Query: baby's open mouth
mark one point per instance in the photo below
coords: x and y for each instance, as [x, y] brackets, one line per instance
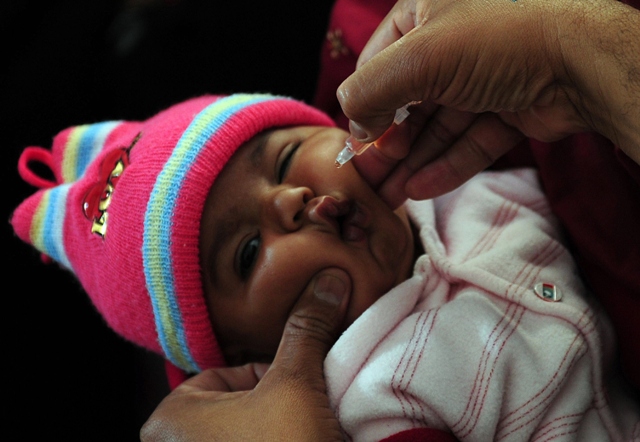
[345, 217]
[352, 224]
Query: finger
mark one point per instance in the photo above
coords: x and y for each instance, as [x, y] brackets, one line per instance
[398, 21]
[312, 329]
[370, 96]
[437, 135]
[227, 379]
[375, 164]
[486, 140]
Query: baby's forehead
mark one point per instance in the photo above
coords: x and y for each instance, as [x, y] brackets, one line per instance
[259, 154]
[251, 153]
[255, 150]
[253, 157]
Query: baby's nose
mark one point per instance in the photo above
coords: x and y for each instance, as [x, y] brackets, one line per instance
[288, 206]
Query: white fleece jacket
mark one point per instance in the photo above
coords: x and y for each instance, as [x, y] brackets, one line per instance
[467, 346]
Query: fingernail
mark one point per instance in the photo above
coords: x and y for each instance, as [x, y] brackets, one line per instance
[342, 93]
[330, 289]
[356, 145]
[357, 131]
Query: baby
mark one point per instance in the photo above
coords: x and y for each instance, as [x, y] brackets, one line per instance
[195, 232]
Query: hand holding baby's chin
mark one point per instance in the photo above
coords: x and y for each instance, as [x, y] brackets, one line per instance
[286, 400]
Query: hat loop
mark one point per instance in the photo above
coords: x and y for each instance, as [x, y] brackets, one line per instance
[40, 155]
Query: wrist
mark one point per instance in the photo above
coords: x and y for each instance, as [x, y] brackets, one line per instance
[599, 47]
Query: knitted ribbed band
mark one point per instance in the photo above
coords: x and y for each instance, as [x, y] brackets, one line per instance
[124, 213]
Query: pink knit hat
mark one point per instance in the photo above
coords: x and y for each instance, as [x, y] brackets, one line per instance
[124, 213]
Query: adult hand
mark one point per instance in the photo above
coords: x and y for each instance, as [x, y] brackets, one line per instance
[286, 401]
[488, 74]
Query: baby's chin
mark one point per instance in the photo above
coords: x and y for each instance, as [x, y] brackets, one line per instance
[358, 306]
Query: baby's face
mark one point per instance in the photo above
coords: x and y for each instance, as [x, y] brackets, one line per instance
[279, 213]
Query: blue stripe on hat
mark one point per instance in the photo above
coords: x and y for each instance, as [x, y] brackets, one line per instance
[91, 144]
[157, 259]
[47, 227]
[85, 142]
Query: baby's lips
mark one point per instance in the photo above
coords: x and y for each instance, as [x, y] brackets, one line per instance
[326, 210]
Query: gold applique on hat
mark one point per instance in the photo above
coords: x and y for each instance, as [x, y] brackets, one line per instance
[98, 198]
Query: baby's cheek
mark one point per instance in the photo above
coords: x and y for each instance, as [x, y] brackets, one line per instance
[362, 298]
[390, 248]
[282, 276]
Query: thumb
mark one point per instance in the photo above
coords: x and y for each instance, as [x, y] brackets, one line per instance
[395, 76]
[313, 327]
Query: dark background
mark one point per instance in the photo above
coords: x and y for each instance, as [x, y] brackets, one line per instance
[71, 62]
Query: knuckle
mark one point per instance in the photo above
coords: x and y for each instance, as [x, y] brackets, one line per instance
[452, 169]
[441, 133]
[478, 152]
[309, 326]
[354, 99]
